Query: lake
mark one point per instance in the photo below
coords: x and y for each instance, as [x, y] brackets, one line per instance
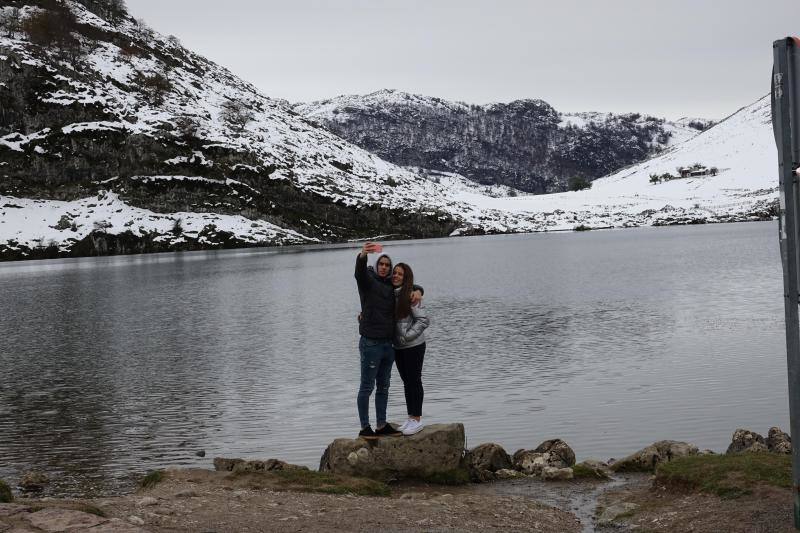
[611, 340]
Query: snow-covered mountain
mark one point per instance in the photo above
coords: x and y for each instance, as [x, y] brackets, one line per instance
[115, 139]
[525, 144]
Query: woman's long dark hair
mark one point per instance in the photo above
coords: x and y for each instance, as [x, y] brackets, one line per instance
[402, 306]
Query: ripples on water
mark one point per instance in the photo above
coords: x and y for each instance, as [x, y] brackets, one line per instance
[611, 340]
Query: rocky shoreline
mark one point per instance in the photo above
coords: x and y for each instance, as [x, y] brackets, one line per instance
[427, 481]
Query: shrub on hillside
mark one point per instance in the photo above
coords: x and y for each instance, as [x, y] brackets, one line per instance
[52, 28]
[578, 183]
[113, 10]
[237, 114]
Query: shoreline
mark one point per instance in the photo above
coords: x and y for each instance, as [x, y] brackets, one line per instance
[128, 244]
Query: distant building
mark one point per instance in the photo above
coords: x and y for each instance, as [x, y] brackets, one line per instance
[696, 171]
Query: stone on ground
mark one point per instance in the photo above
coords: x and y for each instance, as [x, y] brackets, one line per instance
[240, 465]
[646, 459]
[435, 451]
[778, 441]
[485, 460]
[615, 511]
[552, 473]
[553, 453]
[745, 440]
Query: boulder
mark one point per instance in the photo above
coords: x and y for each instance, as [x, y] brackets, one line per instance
[553, 453]
[756, 447]
[778, 441]
[436, 452]
[646, 459]
[552, 473]
[592, 469]
[240, 465]
[529, 462]
[744, 439]
[33, 481]
[559, 451]
[486, 459]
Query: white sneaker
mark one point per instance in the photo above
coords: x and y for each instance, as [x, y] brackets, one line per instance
[413, 427]
[405, 425]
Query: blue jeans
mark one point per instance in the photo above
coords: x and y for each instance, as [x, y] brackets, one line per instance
[377, 357]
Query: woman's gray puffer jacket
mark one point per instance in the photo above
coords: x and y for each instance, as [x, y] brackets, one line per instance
[408, 331]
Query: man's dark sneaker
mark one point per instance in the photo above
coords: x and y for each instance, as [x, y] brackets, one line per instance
[388, 431]
[367, 434]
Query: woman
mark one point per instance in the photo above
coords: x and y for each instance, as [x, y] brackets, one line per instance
[409, 345]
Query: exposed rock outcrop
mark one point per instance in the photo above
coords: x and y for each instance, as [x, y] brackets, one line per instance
[524, 144]
[434, 453]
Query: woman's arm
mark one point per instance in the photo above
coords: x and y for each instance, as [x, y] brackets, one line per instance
[421, 321]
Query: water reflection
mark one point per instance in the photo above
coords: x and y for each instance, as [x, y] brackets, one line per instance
[611, 340]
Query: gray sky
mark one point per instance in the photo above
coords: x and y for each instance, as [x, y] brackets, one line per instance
[673, 58]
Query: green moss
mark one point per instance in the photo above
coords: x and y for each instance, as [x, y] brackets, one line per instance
[456, 476]
[581, 471]
[6, 496]
[310, 481]
[152, 479]
[727, 476]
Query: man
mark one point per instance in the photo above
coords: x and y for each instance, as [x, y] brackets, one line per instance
[376, 327]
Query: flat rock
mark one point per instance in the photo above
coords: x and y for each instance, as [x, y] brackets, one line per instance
[508, 473]
[241, 465]
[437, 449]
[55, 520]
[646, 459]
[552, 473]
[10, 509]
[615, 511]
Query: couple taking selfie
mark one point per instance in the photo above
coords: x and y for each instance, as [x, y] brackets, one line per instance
[391, 325]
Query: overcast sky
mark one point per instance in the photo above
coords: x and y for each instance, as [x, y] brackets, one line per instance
[702, 58]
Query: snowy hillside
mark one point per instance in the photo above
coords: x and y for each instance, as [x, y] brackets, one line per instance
[741, 147]
[525, 144]
[115, 139]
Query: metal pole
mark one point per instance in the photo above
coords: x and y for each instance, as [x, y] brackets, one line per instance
[785, 110]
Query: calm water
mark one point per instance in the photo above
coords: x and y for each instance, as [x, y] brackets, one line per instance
[610, 340]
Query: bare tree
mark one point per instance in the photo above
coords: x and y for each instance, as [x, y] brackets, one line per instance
[237, 114]
[10, 21]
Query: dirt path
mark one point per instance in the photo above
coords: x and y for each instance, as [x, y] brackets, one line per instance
[196, 501]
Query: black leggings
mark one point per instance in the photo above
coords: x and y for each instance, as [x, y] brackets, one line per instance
[409, 364]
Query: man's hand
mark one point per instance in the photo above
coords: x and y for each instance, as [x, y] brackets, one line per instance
[416, 297]
[370, 247]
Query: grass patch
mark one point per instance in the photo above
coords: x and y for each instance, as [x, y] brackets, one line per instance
[727, 476]
[456, 476]
[581, 471]
[152, 479]
[6, 496]
[311, 481]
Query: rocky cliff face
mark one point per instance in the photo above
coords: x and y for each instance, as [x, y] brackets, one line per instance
[525, 144]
